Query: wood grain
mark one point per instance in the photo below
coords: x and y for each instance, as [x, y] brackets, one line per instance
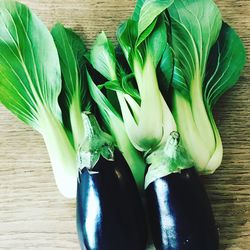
[33, 215]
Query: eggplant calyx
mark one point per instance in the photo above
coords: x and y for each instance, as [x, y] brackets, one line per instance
[96, 144]
[168, 159]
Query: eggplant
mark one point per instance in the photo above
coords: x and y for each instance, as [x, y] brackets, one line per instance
[180, 213]
[110, 214]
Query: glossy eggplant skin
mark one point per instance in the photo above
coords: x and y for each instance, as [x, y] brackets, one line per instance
[110, 214]
[180, 213]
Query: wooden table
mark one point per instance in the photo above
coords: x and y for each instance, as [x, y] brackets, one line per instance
[33, 215]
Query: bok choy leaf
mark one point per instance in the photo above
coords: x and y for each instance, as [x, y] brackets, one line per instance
[200, 41]
[30, 83]
[71, 50]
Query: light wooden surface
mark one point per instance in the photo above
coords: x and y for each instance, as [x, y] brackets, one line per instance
[33, 215]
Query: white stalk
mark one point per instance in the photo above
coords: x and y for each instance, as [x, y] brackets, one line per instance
[169, 124]
[190, 134]
[61, 152]
[145, 132]
[200, 116]
[216, 159]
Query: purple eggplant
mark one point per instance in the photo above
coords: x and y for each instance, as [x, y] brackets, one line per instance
[110, 213]
[180, 214]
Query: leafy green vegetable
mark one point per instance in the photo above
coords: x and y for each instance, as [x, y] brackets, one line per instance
[30, 83]
[144, 43]
[225, 64]
[115, 126]
[71, 50]
[90, 141]
[204, 70]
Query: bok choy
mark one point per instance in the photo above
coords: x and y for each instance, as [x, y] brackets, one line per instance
[145, 47]
[103, 59]
[209, 57]
[109, 209]
[74, 98]
[30, 83]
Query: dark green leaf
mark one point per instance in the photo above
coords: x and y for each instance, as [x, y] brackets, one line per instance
[129, 87]
[111, 85]
[137, 10]
[146, 33]
[156, 43]
[72, 52]
[225, 65]
[127, 34]
[165, 70]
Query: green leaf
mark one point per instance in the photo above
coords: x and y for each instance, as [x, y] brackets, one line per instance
[102, 57]
[195, 28]
[72, 52]
[143, 36]
[179, 81]
[156, 42]
[137, 10]
[150, 10]
[112, 85]
[29, 66]
[165, 70]
[127, 34]
[225, 65]
[153, 42]
[129, 88]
